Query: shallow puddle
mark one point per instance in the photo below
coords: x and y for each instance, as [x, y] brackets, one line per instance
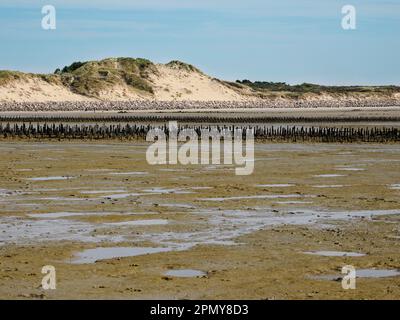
[56, 215]
[62, 199]
[26, 231]
[185, 273]
[93, 255]
[294, 202]
[73, 214]
[121, 195]
[50, 178]
[215, 226]
[332, 175]
[349, 169]
[133, 173]
[324, 186]
[268, 196]
[101, 191]
[335, 253]
[160, 190]
[171, 170]
[151, 222]
[275, 185]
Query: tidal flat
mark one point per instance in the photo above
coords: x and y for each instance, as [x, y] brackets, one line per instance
[114, 226]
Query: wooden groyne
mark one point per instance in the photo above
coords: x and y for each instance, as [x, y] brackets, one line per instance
[286, 133]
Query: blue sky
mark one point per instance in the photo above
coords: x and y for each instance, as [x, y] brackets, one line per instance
[292, 41]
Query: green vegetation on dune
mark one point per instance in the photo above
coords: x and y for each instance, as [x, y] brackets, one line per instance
[10, 76]
[92, 77]
[7, 77]
[182, 66]
[298, 90]
[50, 78]
[74, 66]
[135, 65]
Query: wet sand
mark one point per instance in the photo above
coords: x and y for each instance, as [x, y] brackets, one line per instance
[68, 204]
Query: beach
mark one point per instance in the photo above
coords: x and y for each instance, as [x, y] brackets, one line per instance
[115, 227]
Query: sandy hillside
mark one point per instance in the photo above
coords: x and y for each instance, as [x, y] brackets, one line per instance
[37, 90]
[121, 93]
[172, 83]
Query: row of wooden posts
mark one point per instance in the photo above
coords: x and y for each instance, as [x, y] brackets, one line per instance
[139, 132]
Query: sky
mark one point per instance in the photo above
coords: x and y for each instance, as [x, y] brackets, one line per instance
[291, 41]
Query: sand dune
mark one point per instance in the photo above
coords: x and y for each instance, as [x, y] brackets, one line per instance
[129, 79]
[168, 82]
